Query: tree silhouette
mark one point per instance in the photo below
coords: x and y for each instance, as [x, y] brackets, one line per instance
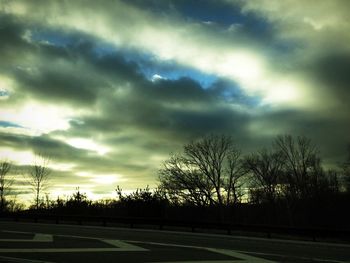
[346, 172]
[266, 170]
[38, 177]
[208, 172]
[301, 165]
[5, 183]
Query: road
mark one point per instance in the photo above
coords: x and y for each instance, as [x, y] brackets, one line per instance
[43, 243]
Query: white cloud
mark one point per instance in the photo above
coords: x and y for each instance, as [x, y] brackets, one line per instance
[156, 77]
[37, 117]
[87, 144]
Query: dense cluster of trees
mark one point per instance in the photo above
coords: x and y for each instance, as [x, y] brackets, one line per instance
[212, 171]
[286, 181]
[211, 179]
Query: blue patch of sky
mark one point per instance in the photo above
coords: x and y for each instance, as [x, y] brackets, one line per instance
[7, 124]
[4, 93]
[103, 48]
[231, 92]
[217, 12]
[195, 10]
[223, 14]
[53, 37]
[150, 66]
[61, 38]
[173, 71]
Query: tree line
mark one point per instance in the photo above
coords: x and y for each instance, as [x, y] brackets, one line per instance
[211, 179]
[285, 182]
[212, 171]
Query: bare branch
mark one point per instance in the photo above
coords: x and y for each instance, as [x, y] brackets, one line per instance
[38, 177]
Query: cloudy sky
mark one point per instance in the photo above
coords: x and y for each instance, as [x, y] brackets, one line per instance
[108, 89]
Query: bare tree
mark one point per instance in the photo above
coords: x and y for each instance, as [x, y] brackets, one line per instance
[301, 164]
[38, 177]
[234, 181]
[5, 183]
[208, 172]
[183, 182]
[346, 172]
[266, 169]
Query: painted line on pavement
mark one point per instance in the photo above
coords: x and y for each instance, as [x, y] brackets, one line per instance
[123, 245]
[207, 235]
[21, 260]
[63, 250]
[36, 238]
[205, 261]
[245, 257]
[128, 247]
[237, 251]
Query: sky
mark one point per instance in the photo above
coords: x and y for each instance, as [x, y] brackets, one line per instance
[109, 89]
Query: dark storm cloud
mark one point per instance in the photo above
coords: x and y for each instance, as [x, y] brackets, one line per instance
[59, 85]
[333, 70]
[176, 106]
[44, 81]
[180, 107]
[218, 18]
[43, 145]
[10, 34]
[329, 134]
[12, 44]
[60, 73]
[183, 90]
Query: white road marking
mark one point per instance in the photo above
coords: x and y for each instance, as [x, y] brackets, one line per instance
[22, 260]
[237, 251]
[118, 245]
[245, 257]
[205, 261]
[42, 238]
[17, 232]
[36, 238]
[123, 245]
[211, 235]
[233, 253]
[63, 250]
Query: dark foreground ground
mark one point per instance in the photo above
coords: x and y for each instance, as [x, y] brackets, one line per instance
[30, 243]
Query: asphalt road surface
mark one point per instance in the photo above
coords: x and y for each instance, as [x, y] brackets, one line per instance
[43, 243]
